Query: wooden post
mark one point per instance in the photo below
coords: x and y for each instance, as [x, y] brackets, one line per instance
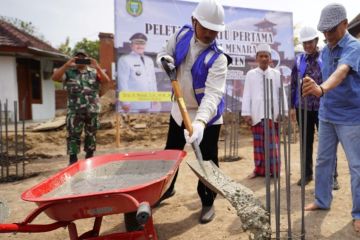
[117, 137]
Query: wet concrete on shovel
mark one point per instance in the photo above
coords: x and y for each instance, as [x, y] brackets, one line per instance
[252, 214]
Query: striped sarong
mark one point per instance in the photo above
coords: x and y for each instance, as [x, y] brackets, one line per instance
[259, 147]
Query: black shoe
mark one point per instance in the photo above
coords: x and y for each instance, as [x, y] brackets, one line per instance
[89, 154]
[336, 185]
[165, 196]
[307, 180]
[73, 159]
[207, 214]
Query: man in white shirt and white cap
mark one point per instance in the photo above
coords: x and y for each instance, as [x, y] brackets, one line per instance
[253, 104]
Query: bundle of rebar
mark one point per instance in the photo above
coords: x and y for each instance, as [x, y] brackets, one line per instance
[12, 151]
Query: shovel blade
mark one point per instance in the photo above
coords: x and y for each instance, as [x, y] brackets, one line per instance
[209, 174]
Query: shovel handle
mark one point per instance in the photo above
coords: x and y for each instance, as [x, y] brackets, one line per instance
[181, 103]
[171, 71]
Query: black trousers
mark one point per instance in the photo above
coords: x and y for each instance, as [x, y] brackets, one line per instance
[312, 122]
[209, 151]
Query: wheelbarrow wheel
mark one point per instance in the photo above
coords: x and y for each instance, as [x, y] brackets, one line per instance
[135, 220]
[143, 213]
[131, 223]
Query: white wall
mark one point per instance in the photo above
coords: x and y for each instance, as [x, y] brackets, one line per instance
[8, 82]
[46, 110]
[9, 90]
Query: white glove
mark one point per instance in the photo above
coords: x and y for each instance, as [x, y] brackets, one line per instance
[168, 58]
[198, 132]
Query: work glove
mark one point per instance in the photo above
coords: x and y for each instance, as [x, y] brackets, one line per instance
[198, 132]
[168, 58]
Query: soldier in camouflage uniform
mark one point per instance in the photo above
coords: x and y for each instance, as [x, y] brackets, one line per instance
[82, 82]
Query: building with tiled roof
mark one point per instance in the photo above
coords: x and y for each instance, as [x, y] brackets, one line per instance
[354, 26]
[26, 65]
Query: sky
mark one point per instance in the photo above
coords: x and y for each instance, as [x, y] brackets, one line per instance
[78, 19]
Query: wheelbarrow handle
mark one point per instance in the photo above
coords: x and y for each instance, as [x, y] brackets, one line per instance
[171, 71]
[31, 228]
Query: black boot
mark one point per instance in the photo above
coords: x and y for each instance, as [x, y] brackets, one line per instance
[89, 154]
[73, 159]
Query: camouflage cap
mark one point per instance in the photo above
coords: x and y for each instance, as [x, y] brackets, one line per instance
[331, 16]
[80, 51]
[138, 38]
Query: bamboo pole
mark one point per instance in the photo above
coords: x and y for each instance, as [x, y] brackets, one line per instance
[117, 137]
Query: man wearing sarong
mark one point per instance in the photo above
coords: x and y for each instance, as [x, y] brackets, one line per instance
[253, 110]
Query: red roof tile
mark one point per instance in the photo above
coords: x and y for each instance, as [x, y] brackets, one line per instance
[14, 37]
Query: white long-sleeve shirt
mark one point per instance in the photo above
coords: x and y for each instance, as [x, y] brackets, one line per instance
[134, 75]
[214, 85]
[253, 96]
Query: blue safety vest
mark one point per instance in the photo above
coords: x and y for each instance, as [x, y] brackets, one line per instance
[301, 63]
[200, 69]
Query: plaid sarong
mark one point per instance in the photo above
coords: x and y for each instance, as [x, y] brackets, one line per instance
[259, 147]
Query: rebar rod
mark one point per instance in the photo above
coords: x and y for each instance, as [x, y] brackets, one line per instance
[266, 147]
[23, 136]
[6, 139]
[16, 139]
[276, 172]
[302, 174]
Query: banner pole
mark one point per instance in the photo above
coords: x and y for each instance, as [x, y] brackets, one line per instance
[117, 137]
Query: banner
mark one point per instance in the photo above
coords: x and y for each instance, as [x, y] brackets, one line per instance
[144, 87]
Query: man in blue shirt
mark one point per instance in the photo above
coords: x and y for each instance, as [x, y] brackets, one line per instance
[339, 112]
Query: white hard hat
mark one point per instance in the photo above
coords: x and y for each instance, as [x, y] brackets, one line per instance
[263, 47]
[307, 34]
[210, 14]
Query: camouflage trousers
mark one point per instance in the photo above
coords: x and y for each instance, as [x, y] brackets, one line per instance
[75, 123]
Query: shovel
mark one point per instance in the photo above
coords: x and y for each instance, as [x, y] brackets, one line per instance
[204, 170]
[171, 71]
[253, 216]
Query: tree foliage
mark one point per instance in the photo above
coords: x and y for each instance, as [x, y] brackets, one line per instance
[65, 47]
[91, 47]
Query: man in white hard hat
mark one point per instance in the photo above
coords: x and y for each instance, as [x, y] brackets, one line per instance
[307, 64]
[252, 109]
[339, 113]
[203, 87]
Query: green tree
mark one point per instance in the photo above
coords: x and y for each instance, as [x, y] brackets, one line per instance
[65, 47]
[91, 47]
[296, 29]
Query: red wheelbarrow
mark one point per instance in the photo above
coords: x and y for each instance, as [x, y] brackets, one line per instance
[100, 186]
